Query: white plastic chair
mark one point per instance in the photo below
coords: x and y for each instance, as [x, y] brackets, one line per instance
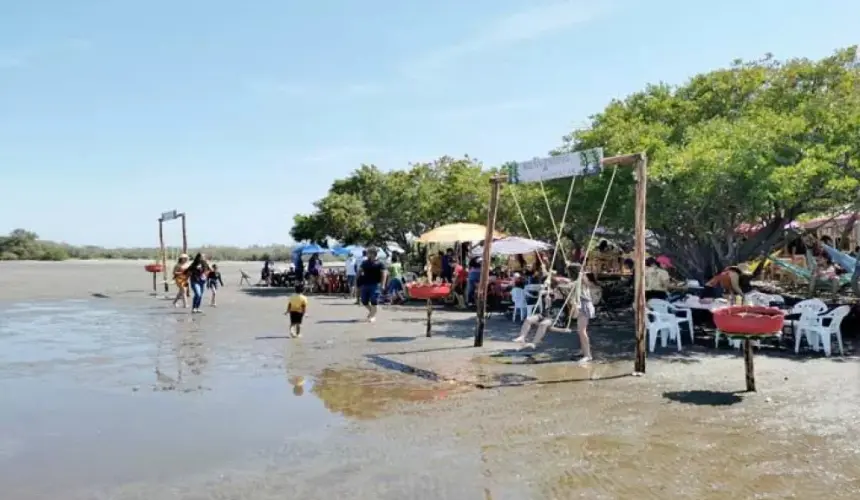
[809, 310]
[821, 334]
[521, 308]
[660, 325]
[680, 315]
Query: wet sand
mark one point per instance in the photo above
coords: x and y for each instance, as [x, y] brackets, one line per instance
[108, 392]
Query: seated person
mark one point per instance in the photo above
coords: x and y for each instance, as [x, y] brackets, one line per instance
[657, 280]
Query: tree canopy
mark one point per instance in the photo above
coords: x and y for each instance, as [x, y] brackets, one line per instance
[760, 142]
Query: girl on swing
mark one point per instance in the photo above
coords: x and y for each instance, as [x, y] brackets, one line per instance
[582, 307]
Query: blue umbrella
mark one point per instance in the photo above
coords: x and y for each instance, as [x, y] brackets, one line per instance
[309, 249]
[354, 250]
[357, 251]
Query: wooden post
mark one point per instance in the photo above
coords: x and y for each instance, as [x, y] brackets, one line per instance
[429, 317]
[640, 162]
[748, 362]
[163, 253]
[481, 292]
[639, 262]
[184, 235]
[155, 282]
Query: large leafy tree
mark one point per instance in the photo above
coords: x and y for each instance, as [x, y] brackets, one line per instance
[762, 142]
[372, 206]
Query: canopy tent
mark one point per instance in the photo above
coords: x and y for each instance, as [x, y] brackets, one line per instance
[513, 245]
[460, 231]
[309, 249]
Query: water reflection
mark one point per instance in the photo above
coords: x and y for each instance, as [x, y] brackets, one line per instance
[368, 394]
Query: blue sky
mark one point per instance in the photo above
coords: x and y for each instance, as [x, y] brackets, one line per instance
[242, 113]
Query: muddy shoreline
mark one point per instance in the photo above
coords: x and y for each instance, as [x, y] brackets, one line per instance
[107, 392]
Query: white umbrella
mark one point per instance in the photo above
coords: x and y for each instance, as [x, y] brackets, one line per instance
[513, 245]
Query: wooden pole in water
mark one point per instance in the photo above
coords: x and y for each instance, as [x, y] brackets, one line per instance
[639, 263]
[481, 292]
[748, 363]
[184, 234]
[640, 163]
[163, 252]
[429, 317]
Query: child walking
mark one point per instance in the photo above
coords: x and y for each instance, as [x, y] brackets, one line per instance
[214, 282]
[296, 308]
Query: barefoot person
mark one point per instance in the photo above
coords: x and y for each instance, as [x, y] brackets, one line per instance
[372, 275]
[296, 309]
[181, 280]
[197, 272]
[213, 283]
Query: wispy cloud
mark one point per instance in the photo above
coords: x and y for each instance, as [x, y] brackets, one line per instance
[517, 27]
[491, 109]
[13, 58]
[337, 154]
[272, 87]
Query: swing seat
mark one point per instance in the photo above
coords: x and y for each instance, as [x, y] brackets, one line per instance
[153, 268]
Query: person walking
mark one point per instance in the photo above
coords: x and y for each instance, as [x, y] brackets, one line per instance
[181, 279]
[197, 272]
[372, 276]
[213, 283]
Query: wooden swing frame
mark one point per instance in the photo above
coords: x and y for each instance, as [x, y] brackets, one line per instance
[639, 163]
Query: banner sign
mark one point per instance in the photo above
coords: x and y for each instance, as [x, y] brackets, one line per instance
[578, 163]
[166, 216]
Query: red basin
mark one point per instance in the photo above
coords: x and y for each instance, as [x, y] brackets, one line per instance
[434, 291]
[749, 320]
[153, 268]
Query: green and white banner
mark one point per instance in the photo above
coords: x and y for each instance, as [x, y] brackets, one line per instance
[586, 162]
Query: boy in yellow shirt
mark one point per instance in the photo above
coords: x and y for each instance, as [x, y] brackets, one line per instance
[296, 308]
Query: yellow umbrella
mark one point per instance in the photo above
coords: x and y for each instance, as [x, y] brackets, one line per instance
[460, 231]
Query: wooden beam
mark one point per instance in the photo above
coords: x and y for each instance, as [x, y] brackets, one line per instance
[630, 160]
[481, 293]
[163, 252]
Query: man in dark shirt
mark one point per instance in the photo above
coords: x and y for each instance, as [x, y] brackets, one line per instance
[372, 276]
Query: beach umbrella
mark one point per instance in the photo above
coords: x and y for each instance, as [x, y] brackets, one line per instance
[357, 251]
[309, 249]
[460, 231]
[513, 245]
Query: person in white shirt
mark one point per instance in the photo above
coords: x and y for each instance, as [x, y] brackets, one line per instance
[351, 265]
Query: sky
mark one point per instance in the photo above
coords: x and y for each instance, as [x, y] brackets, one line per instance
[241, 114]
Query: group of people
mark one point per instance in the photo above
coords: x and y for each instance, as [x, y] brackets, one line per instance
[195, 277]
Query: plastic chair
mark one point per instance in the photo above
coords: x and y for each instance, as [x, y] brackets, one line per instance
[809, 310]
[660, 325]
[521, 308]
[821, 334]
[680, 315]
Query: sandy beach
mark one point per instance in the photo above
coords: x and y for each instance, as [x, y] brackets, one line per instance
[106, 391]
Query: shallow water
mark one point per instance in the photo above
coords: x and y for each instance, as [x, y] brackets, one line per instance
[118, 395]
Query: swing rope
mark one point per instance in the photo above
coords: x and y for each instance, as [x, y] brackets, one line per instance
[559, 230]
[519, 210]
[577, 288]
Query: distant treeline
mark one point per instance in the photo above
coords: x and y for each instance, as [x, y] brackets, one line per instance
[21, 244]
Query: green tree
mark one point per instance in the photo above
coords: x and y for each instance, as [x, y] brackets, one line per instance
[760, 142]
